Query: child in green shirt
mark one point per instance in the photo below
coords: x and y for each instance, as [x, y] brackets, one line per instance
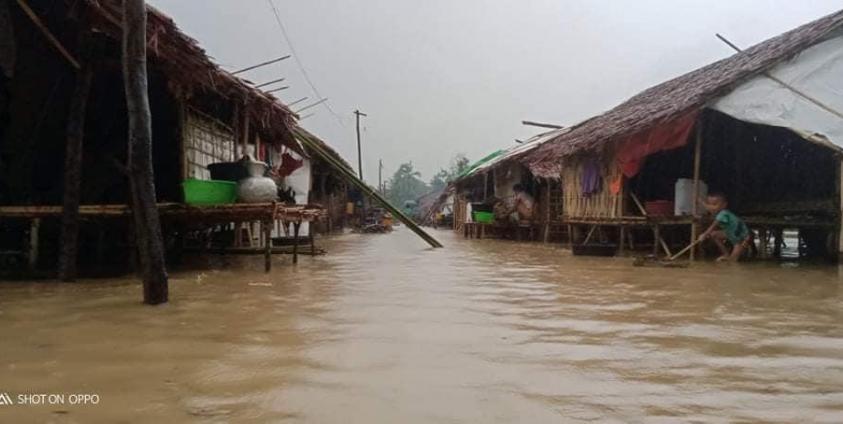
[726, 227]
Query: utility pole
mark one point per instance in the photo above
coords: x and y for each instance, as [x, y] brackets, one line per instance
[359, 151]
[380, 175]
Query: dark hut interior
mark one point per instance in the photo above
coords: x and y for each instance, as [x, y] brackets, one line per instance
[771, 176]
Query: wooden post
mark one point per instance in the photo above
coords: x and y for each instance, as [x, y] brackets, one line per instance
[73, 169]
[296, 227]
[235, 125]
[142, 181]
[840, 219]
[312, 240]
[570, 236]
[657, 236]
[358, 114]
[763, 243]
[244, 129]
[485, 186]
[266, 229]
[546, 235]
[695, 204]
[621, 240]
[34, 235]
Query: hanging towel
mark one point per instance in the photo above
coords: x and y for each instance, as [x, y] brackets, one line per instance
[592, 182]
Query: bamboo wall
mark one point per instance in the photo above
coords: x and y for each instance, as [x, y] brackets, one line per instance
[206, 141]
[603, 204]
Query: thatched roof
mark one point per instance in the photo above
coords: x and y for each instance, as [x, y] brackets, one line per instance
[514, 153]
[189, 69]
[678, 96]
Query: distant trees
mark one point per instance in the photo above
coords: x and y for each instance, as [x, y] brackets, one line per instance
[405, 184]
[458, 165]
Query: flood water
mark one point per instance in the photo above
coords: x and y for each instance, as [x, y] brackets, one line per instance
[383, 329]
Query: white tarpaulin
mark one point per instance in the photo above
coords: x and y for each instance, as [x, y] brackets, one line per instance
[817, 72]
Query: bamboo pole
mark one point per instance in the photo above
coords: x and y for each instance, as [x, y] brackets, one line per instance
[313, 145]
[695, 206]
[49, 35]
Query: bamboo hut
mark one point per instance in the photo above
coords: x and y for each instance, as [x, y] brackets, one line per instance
[201, 114]
[763, 126]
[493, 178]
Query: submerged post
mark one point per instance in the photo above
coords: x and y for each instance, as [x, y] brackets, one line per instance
[296, 227]
[73, 168]
[266, 227]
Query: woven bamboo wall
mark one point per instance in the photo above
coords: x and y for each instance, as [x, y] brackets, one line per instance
[603, 204]
[205, 142]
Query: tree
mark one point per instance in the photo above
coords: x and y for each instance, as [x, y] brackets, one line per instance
[458, 165]
[141, 177]
[405, 184]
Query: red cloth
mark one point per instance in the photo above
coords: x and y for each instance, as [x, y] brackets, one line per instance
[289, 164]
[671, 135]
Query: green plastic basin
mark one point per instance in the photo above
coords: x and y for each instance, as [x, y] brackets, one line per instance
[209, 192]
[484, 217]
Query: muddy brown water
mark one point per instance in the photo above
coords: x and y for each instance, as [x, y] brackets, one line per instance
[385, 330]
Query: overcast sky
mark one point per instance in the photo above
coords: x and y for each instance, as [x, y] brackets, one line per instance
[441, 77]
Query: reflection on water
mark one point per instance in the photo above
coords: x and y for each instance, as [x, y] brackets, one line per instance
[384, 330]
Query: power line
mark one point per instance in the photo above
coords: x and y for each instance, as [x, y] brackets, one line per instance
[298, 61]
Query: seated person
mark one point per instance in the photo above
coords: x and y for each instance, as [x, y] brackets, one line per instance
[523, 204]
[726, 227]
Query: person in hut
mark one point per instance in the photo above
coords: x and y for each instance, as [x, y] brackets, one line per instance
[726, 228]
[523, 204]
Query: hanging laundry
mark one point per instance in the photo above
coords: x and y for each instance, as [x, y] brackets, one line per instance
[592, 181]
[289, 164]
